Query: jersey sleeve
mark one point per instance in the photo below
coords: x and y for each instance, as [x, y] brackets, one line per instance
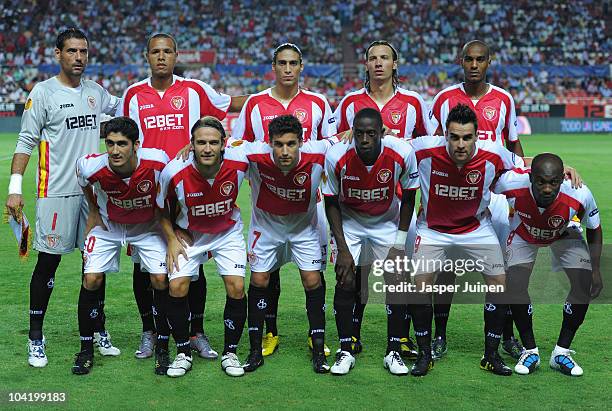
[509, 159]
[409, 179]
[331, 184]
[434, 114]
[340, 117]
[81, 172]
[215, 104]
[328, 123]
[237, 151]
[591, 217]
[424, 126]
[165, 182]
[33, 121]
[110, 104]
[242, 129]
[510, 132]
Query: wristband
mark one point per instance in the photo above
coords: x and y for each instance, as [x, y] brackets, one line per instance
[400, 239]
[15, 184]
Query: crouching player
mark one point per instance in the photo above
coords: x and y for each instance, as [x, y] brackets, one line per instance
[122, 210]
[205, 188]
[365, 216]
[285, 175]
[544, 203]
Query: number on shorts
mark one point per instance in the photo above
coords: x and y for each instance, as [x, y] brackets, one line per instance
[90, 244]
[257, 234]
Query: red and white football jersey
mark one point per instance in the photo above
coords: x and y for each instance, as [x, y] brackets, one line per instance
[207, 206]
[312, 109]
[124, 201]
[543, 226]
[367, 193]
[165, 121]
[453, 200]
[495, 112]
[404, 116]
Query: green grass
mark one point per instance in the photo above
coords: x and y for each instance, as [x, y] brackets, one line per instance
[287, 380]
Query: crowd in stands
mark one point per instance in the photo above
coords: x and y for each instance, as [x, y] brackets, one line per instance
[245, 31]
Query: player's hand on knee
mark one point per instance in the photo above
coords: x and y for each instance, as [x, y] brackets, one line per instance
[184, 237]
[346, 136]
[175, 248]
[596, 285]
[345, 266]
[14, 205]
[572, 174]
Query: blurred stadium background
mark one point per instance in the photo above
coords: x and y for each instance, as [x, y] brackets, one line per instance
[554, 57]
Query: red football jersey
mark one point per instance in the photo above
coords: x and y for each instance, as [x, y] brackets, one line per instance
[543, 226]
[165, 121]
[404, 116]
[455, 200]
[495, 112]
[367, 194]
[312, 109]
[207, 206]
[129, 201]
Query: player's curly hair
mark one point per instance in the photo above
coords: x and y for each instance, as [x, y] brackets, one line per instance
[283, 125]
[395, 76]
[208, 121]
[462, 114]
[121, 125]
[69, 33]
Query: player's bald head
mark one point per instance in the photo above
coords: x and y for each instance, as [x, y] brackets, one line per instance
[547, 164]
[475, 43]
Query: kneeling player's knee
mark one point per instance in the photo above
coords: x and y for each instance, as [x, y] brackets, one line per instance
[159, 281]
[92, 281]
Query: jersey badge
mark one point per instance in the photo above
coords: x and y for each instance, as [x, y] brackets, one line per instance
[301, 115]
[384, 175]
[473, 177]
[489, 113]
[177, 102]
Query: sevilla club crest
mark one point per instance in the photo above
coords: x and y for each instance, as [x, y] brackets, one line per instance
[91, 102]
[300, 178]
[144, 186]
[384, 175]
[473, 177]
[395, 117]
[227, 188]
[177, 102]
[52, 240]
[489, 113]
[301, 115]
[556, 221]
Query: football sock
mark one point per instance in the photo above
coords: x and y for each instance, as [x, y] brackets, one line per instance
[88, 311]
[160, 311]
[100, 324]
[41, 287]
[421, 320]
[141, 284]
[197, 302]
[234, 317]
[361, 300]
[522, 314]
[407, 321]
[344, 301]
[396, 318]
[315, 309]
[440, 314]
[573, 316]
[273, 297]
[258, 303]
[178, 318]
[494, 318]
[508, 326]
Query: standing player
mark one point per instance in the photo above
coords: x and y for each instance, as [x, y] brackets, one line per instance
[205, 187]
[364, 215]
[543, 205]
[455, 173]
[494, 108]
[404, 115]
[121, 211]
[314, 113]
[61, 118]
[165, 107]
[285, 176]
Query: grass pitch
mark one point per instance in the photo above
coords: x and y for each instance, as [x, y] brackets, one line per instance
[286, 379]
